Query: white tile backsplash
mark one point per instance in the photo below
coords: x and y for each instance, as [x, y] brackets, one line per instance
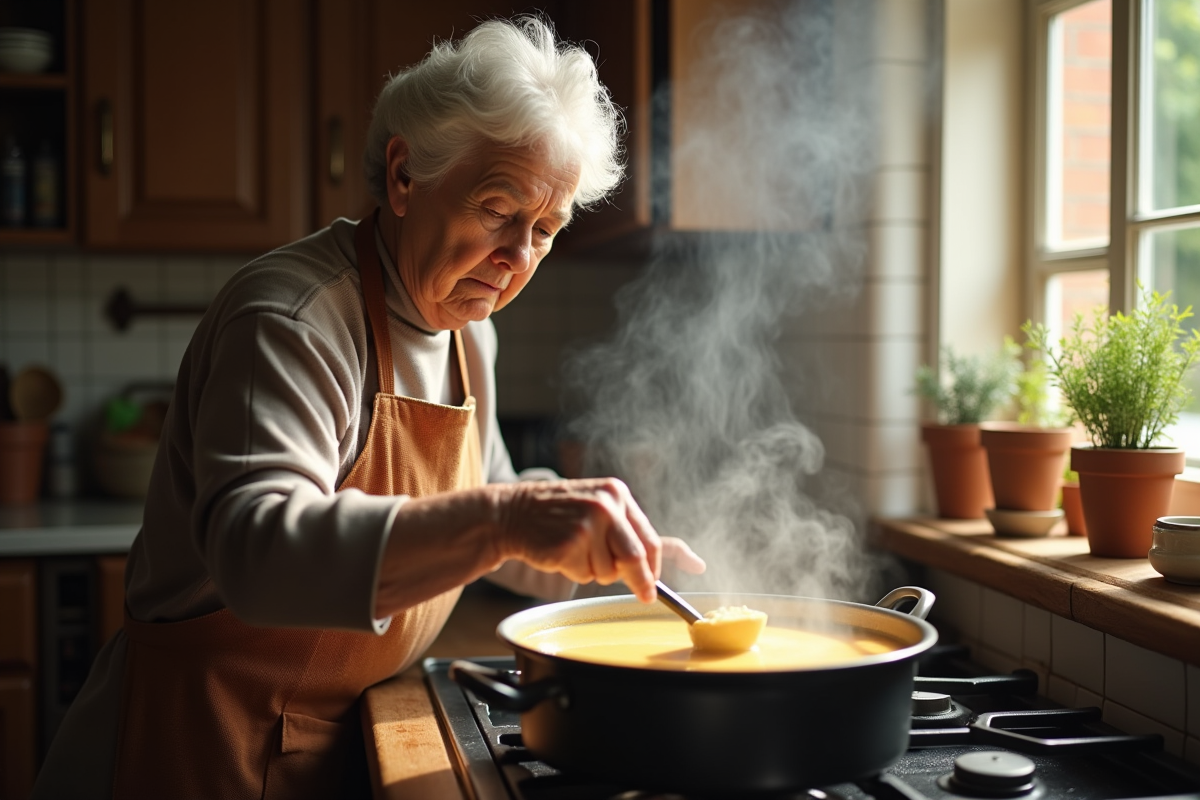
[1140, 691]
[68, 273]
[1193, 700]
[1088, 699]
[994, 660]
[891, 366]
[899, 195]
[959, 602]
[1147, 682]
[1036, 635]
[897, 250]
[892, 494]
[903, 90]
[1077, 653]
[1003, 623]
[52, 313]
[1130, 721]
[895, 444]
[901, 31]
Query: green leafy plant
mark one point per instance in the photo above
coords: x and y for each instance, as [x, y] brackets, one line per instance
[1034, 398]
[1122, 375]
[970, 388]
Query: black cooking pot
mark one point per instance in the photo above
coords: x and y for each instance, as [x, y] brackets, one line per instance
[714, 733]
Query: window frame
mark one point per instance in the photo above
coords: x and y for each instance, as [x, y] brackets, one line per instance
[1125, 258]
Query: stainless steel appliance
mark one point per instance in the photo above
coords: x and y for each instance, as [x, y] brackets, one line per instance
[973, 735]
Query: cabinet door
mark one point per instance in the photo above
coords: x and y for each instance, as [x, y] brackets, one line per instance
[196, 124]
[17, 763]
[110, 612]
[18, 613]
[360, 43]
[618, 35]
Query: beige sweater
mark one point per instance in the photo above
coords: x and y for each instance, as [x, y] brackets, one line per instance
[271, 408]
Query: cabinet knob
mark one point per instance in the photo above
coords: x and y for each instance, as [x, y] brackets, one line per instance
[105, 124]
[337, 151]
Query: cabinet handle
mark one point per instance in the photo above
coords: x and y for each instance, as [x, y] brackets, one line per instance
[337, 151]
[105, 118]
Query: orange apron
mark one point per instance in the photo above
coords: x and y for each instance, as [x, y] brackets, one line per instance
[216, 708]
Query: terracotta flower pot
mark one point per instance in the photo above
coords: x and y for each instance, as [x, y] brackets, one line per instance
[1124, 492]
[1072, 505]
[22, 448]
[960, 470]
[1025, 464]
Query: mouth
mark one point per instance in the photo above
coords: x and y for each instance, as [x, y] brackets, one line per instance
[486, 285]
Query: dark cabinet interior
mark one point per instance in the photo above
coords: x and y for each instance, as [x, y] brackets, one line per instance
[37, 120]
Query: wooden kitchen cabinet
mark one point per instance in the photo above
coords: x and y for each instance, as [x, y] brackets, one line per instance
[39, 111]
[18, 665]
[654, 56]
[110, 590]
[359, 44]
[196, 124]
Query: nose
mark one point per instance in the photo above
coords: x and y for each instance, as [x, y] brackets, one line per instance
[514, 253]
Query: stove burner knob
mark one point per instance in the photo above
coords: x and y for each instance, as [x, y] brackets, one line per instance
[991, 773]
[930, 704]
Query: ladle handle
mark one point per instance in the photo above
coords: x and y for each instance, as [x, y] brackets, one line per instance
[677, 603]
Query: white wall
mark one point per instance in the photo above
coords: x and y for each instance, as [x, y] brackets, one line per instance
[982, 172]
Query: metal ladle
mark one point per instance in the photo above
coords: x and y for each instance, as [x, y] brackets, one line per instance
[721, 634]
[676, 603]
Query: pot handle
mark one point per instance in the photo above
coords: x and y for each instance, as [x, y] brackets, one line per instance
[494, 688]
[923, 597]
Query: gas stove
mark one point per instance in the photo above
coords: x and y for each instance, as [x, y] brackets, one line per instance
[973, 735]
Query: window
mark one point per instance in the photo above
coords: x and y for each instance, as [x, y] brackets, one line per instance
[1117, 162]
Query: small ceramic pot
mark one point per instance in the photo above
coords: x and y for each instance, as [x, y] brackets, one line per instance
[1175, 552]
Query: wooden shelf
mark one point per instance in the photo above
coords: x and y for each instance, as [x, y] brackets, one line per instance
[1124, 597]
[13, 237]
[38, 82]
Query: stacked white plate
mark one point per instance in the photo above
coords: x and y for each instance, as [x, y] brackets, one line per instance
[25, 50]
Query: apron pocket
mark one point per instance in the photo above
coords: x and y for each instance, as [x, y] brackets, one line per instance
[315, 759]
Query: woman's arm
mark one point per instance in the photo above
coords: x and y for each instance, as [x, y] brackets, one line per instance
[587, 530]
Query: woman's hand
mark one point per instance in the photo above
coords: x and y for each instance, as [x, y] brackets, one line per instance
[588, 530]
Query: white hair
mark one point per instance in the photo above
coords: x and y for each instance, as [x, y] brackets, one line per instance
[506, 82]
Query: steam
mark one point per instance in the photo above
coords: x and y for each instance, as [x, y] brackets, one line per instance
[687, 400]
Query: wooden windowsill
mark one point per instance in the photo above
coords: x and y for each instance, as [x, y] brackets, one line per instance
[1124, 597]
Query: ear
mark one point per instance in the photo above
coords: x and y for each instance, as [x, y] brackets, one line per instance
[398, 182]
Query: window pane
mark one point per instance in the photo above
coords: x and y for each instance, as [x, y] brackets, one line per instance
[1077, 146]
[1171, 146]
[1071, 293]
[1174, 261]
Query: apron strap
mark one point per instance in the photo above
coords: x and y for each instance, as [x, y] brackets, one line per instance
[462, 364]
[371, 273]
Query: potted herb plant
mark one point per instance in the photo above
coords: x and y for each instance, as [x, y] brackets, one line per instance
[965, 391]
[1122, 376]
[1026, 458]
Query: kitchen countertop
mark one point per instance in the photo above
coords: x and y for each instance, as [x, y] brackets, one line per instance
[74, 527]
[1123, 597]
[406, 748]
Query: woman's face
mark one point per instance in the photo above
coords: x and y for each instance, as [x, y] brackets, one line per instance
[466, 247]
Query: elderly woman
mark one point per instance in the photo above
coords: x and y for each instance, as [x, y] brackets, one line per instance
[331, 472]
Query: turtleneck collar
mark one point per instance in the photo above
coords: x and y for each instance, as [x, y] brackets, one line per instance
[399, 301]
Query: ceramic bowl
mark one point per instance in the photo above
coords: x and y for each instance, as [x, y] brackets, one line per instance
[1028, 524]
[24, 50]
[1175, 550]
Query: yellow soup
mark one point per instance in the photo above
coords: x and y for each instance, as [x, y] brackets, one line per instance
[665, 644]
